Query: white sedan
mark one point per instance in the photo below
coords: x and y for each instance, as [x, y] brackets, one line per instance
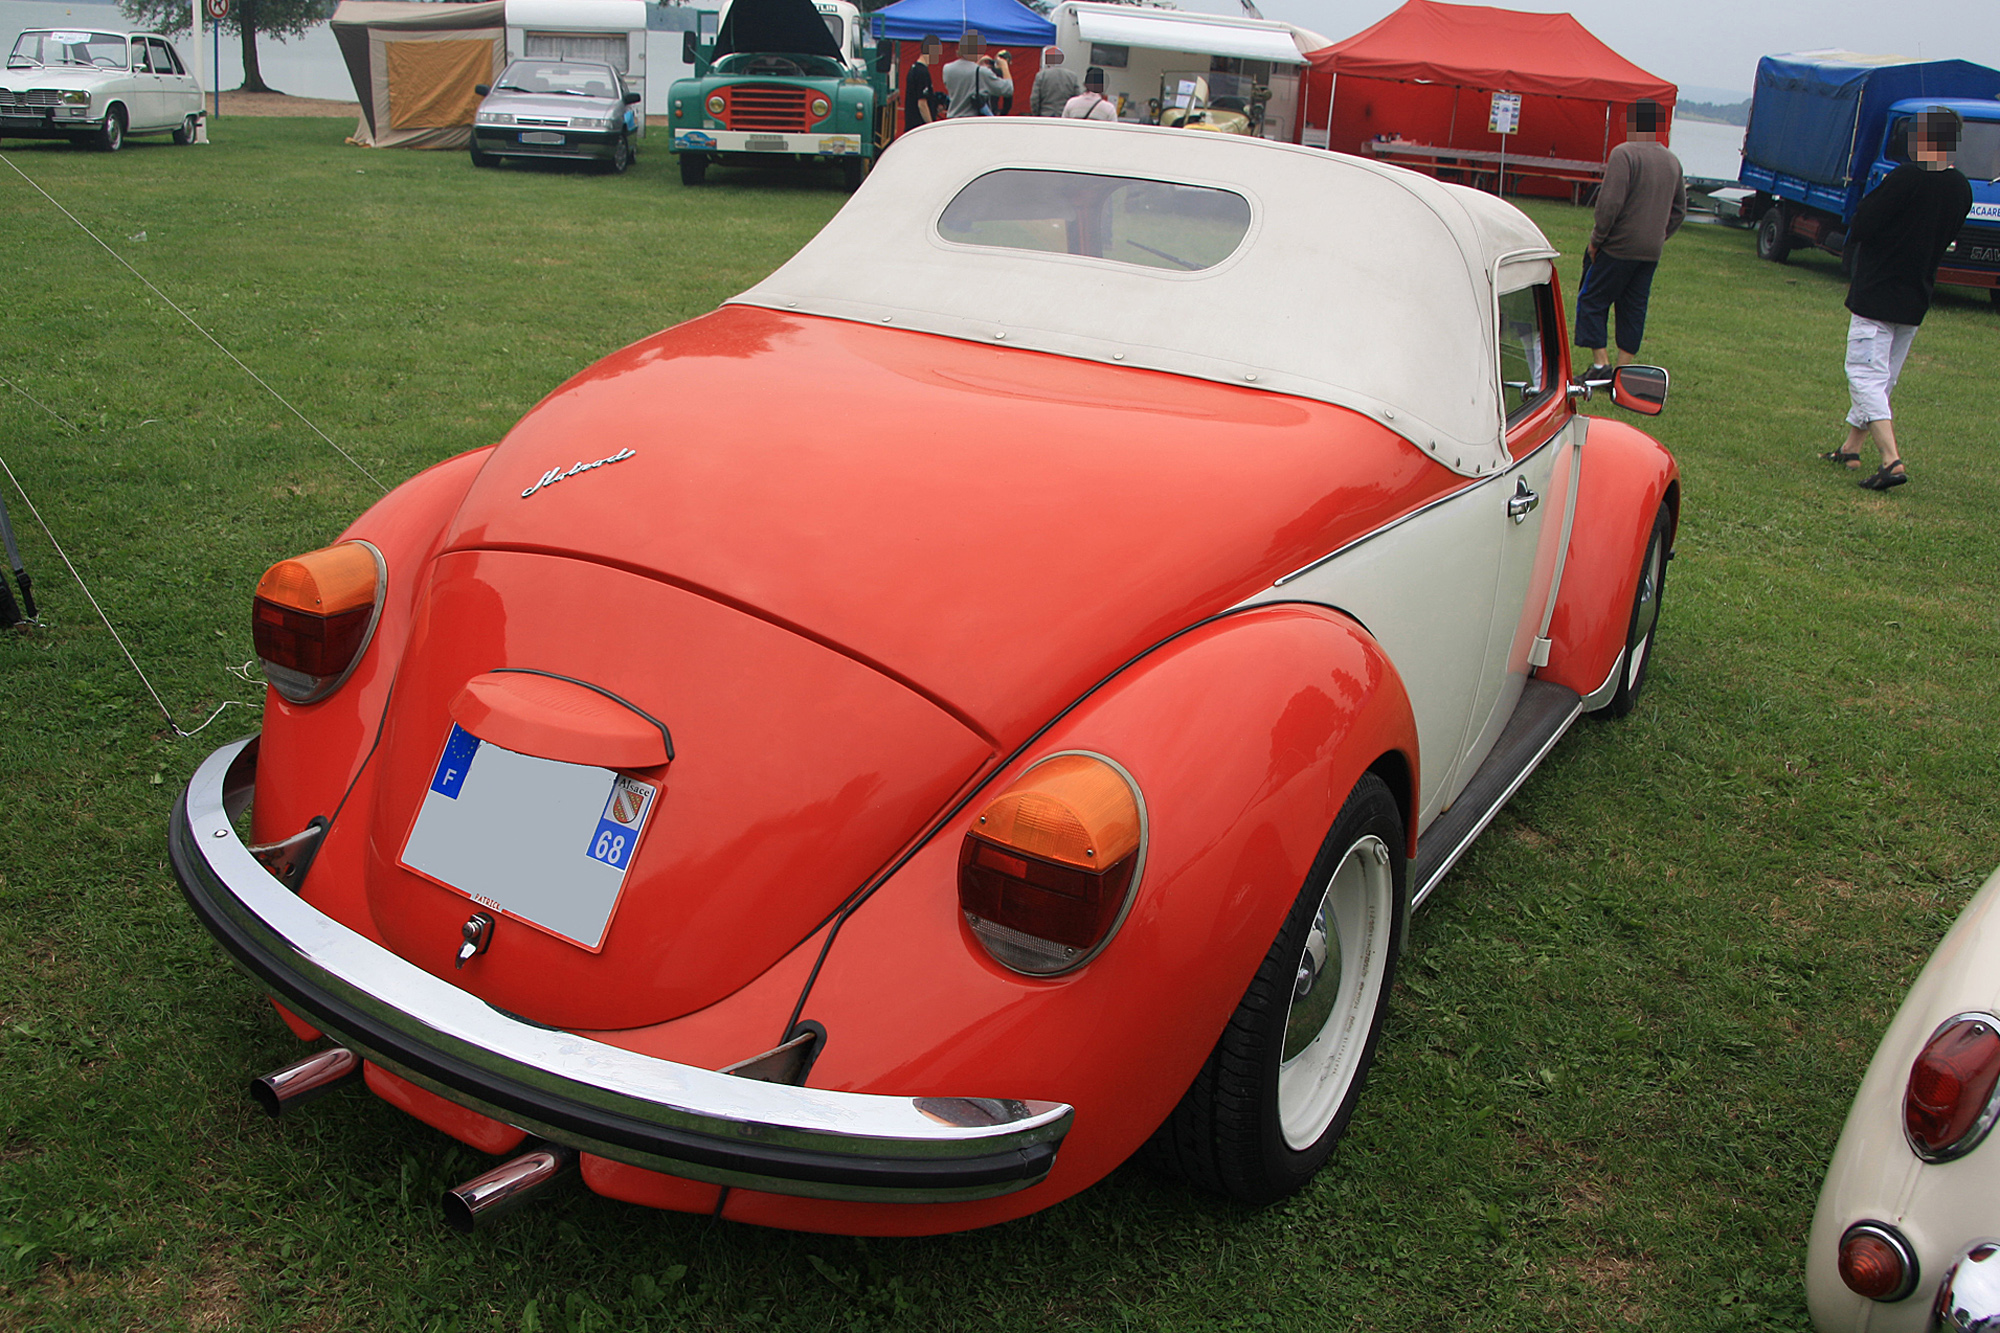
[96, 87]
[1907, 1236]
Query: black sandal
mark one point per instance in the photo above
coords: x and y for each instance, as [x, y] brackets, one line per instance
[1891, 474]
[1842, 457]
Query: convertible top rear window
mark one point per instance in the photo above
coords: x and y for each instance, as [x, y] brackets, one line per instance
[1150, 223]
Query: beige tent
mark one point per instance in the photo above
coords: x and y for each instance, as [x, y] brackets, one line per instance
[415, 63]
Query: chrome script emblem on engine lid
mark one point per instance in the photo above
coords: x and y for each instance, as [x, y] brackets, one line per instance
[556, 474]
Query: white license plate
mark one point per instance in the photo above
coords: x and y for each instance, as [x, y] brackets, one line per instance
[538, 839]
[765, 143]
[540, 136]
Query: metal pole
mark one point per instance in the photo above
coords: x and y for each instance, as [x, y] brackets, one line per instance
[8, 614]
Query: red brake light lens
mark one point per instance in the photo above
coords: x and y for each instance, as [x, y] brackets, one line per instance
[1876, 1262]
[313, 615]
[1047, 870]
[1949, 1104]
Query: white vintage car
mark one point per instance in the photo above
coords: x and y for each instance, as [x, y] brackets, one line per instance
[1907, 1236]
[96, 87]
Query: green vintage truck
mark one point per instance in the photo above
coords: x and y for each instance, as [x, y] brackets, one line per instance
[782, 80]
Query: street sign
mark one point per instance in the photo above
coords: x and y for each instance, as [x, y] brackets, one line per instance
[1506, 112]
[217, 9]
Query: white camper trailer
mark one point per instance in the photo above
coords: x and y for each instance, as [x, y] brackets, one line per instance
[610, 32]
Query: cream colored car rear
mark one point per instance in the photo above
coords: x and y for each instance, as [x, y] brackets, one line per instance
[1910, 1212]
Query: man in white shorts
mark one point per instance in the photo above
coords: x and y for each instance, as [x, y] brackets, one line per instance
[1900, 232]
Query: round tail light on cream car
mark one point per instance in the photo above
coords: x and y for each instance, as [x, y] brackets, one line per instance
[1877, 1262]
[1953, 1094]
[314, 614]
[1049, 867]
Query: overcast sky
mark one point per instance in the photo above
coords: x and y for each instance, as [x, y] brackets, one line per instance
[1711, 46]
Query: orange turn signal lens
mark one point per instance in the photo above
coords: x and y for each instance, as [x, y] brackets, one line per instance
[312, 616]
[1875, 1261]
[1047, 869]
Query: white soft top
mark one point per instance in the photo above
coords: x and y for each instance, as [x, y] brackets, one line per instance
[1357, 283]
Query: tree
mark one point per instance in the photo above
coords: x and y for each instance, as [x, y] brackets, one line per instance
[247, 18]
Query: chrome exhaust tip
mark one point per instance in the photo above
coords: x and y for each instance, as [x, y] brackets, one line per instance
[506, 1187]
[319, 1072]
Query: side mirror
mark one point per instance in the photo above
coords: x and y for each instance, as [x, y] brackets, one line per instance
[480, 88]
[631, 98]
[687, 47]
[1641, 389]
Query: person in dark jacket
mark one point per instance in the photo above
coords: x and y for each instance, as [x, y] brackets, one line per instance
[1642, 201]
[1900, 232]
[922, 102]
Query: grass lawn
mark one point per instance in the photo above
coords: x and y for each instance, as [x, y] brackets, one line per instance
[1625, 1037]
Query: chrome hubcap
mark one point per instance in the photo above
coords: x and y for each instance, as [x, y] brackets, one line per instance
[1335, 989]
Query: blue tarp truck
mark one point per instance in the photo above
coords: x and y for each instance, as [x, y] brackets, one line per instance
[1827, 126]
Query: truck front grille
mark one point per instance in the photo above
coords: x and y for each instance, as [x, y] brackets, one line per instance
[1976, 245]
[769, 107]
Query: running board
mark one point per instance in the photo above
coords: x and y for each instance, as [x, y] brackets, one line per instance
[1540, 719]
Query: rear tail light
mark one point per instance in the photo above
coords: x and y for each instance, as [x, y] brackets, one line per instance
[1953, 1094]
[1876, 1262]
[313, 615]
[1048, 869]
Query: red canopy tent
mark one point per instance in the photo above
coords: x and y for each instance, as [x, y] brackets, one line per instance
[1427, 73]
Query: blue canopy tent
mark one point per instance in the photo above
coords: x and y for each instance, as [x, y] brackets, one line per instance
[1000, 22]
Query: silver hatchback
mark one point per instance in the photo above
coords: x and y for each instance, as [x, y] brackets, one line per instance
[556, 108]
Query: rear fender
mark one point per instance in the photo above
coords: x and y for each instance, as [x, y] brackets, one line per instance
[1244, 737]
[314, 750]
[1626, 476]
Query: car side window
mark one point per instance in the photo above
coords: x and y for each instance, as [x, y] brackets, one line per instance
[1527, 350]
[142, 59]
[164, 59]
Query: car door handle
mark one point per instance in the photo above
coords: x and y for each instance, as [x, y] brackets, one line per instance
[1521, 502]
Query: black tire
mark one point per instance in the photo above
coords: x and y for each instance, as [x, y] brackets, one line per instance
[480, 159]
[1642, 629]
[621, 157]
[185, 134]
[1255, 1125]
[1993, 295]
[112, 137]
[851, 172]
[1774, 234]
[694, 167]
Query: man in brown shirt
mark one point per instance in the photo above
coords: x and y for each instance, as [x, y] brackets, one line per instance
[1642, 202]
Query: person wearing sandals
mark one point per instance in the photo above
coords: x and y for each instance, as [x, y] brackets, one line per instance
[1900, 232]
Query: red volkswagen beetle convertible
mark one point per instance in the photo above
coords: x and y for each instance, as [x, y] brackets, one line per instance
[983, 702]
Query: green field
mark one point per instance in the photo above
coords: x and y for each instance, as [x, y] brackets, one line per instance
[1625, 1036]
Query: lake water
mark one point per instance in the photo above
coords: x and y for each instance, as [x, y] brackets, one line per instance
[1709, 150]
[307, 66]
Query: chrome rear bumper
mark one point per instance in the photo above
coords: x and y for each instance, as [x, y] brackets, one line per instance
[602, 1099]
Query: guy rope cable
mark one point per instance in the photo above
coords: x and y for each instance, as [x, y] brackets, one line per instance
[195, 326]
[57, 546]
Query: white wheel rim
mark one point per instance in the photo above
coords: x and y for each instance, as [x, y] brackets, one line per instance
[1337, 986]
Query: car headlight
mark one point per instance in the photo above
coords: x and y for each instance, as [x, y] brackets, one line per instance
[716, 106]
[496, 118]
[314, 614]
[76, 97]
[820, 107]
[615, 120]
